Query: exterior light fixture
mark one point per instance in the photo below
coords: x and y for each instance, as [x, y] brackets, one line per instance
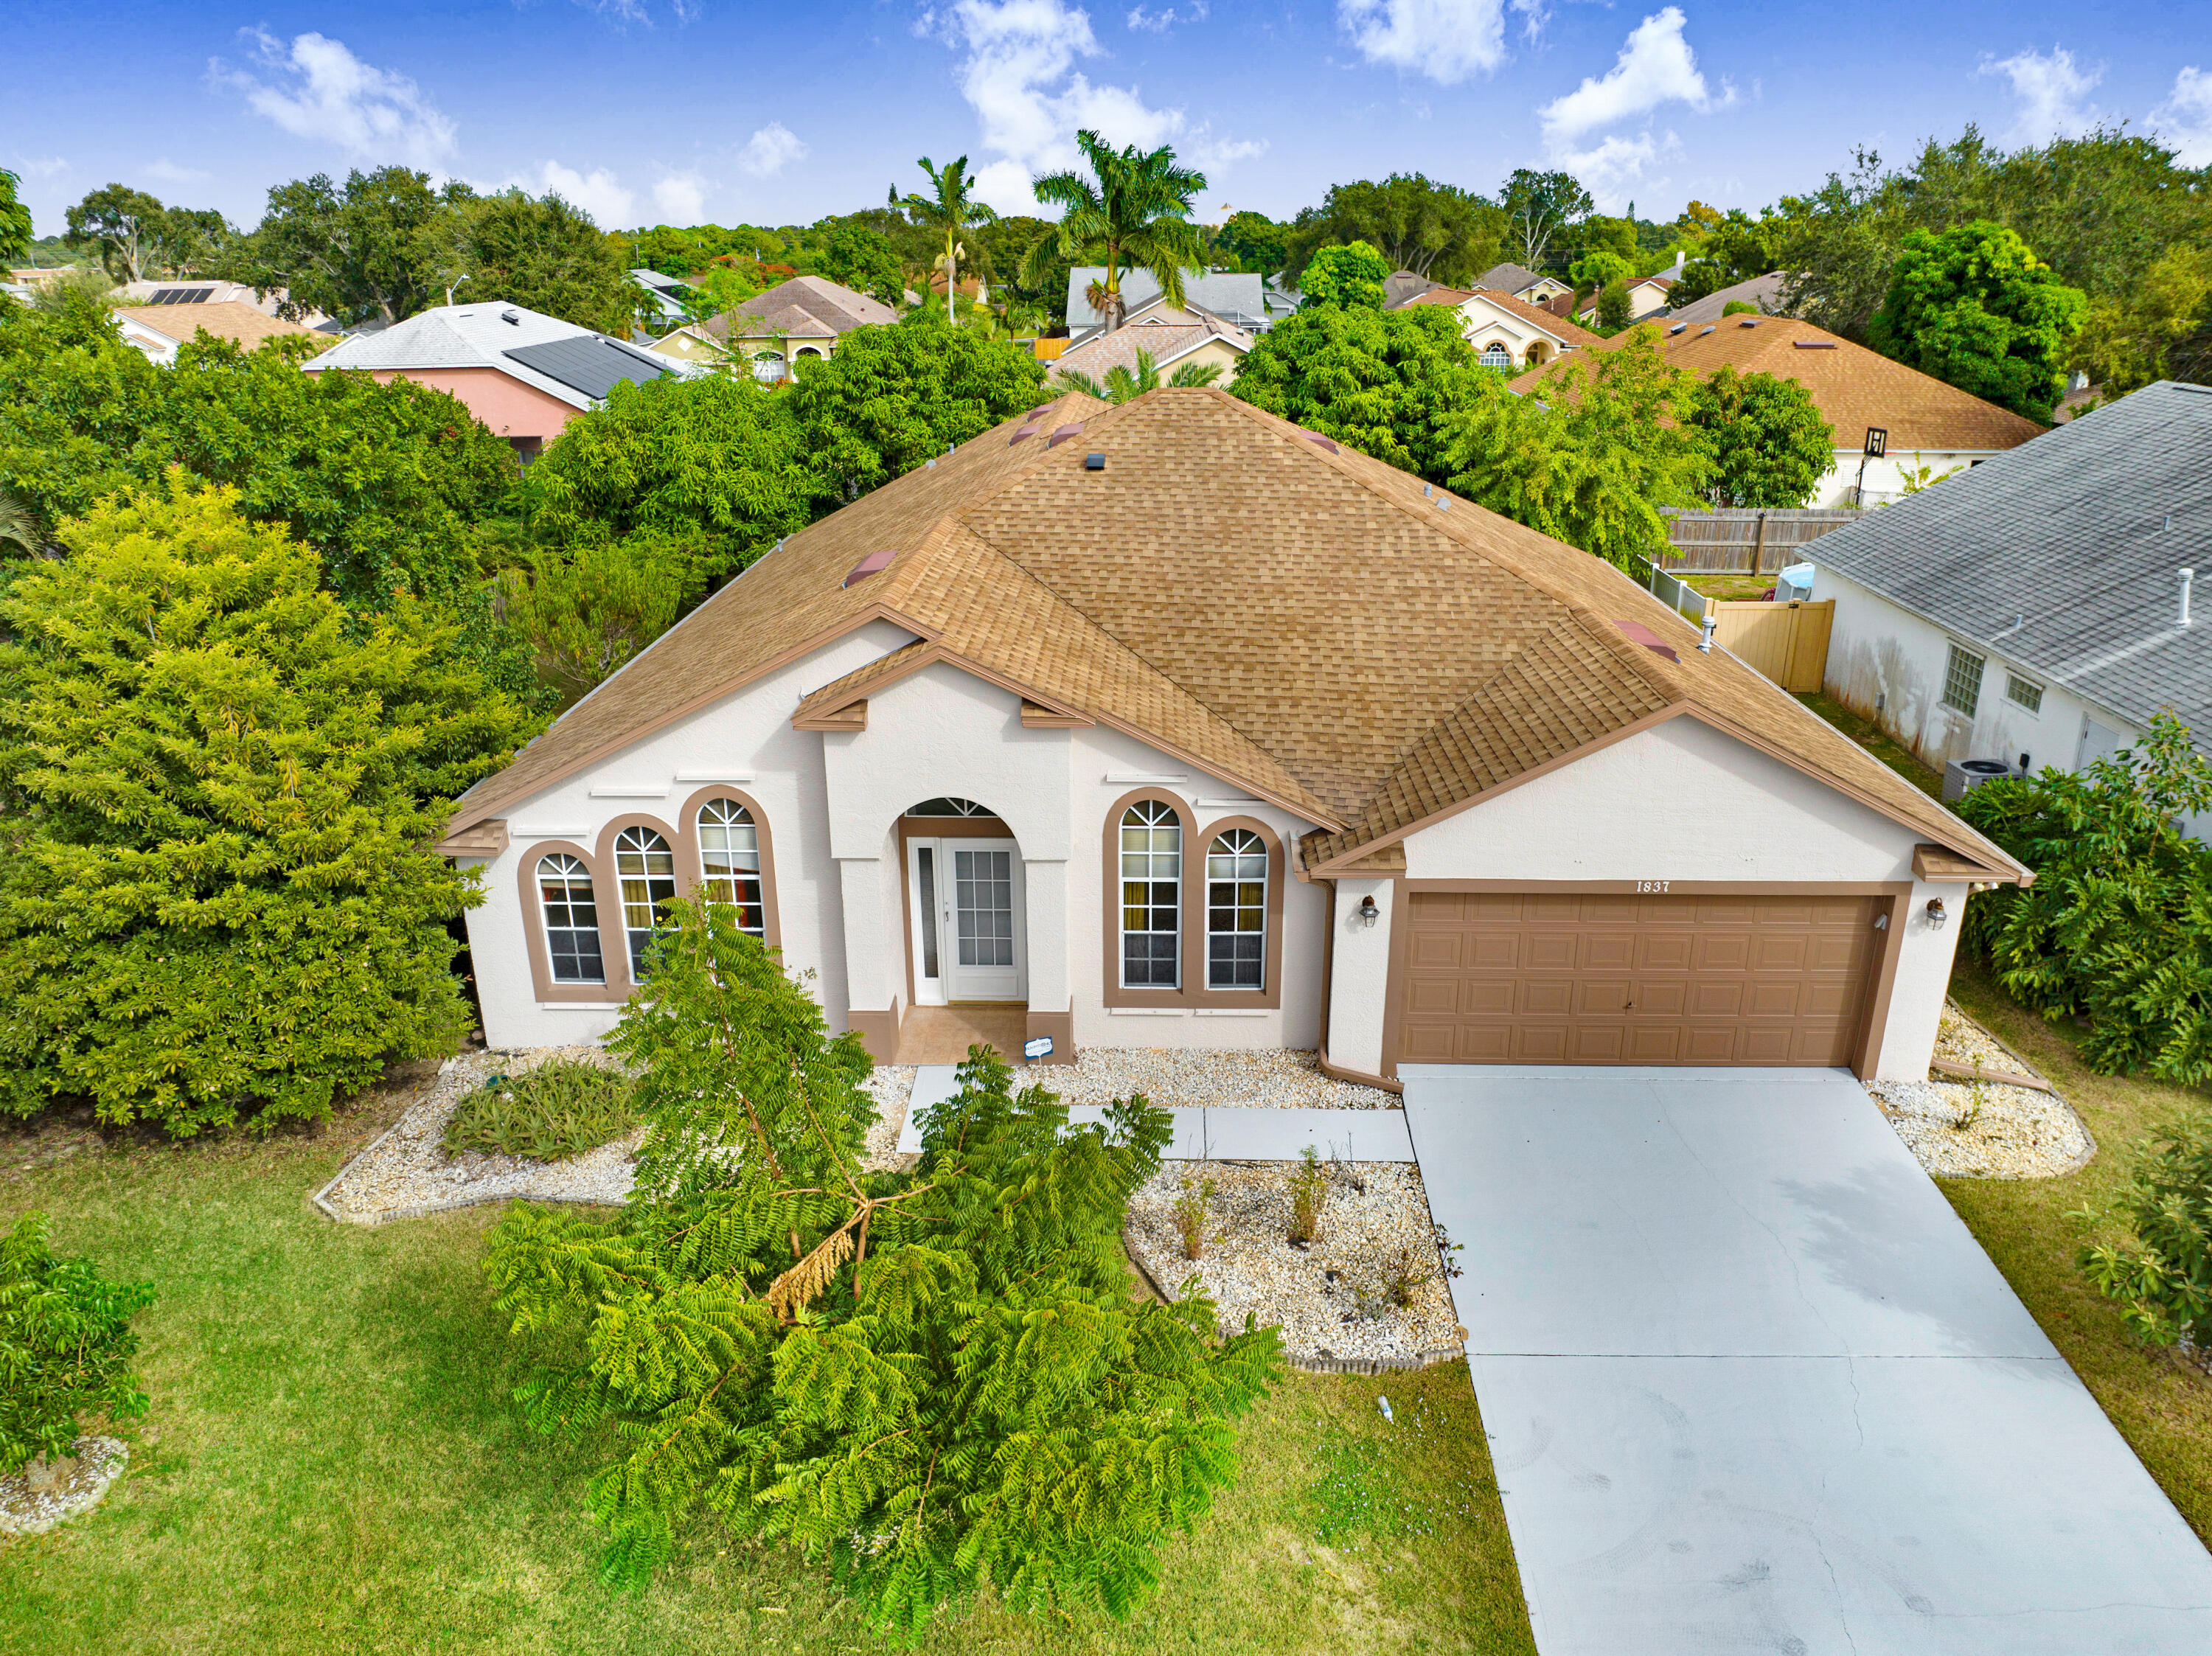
[1368, 913]
[1936, 916]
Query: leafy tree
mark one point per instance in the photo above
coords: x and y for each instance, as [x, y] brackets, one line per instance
[1739, 308]
[194, 241]
[951, 211]
[586, 610]
[1133, 212]
[937, 1380]
[1385, 382]
[1599, 270]
[1121, 383]
[1738, 248]
[65, 1345]
[1434, 230]
[2117, 925]
[219, 897]
[1350, 275]
[1765, 436]
[1252, 242]
[1592, 459]
[1041, 289]
[2161, 329]
[2164, 1278]
[355, 251]
[1976, 308]
[893, 397]
[1614, 311]
[15, 220]
[863, 261]
[1539, 206]
[121, 226]
[538, 251]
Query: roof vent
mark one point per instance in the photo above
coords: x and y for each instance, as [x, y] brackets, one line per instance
[512, 318]
[872, 564]
[1748, 322]
[1063, 433]
[1094, 463]
[1320, 441]
[1703, 331]
[1649, 640]
[1676, 329]
[1029, 430]
[1814, 344]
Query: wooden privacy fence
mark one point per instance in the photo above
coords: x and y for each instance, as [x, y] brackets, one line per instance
[1742, 542]
[1787, 642]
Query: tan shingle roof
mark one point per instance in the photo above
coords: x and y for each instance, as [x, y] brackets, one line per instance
[1299, 620]
[1550, 321]
[1164, 336]
[808, 307]
[230, 320]
[1853, 387]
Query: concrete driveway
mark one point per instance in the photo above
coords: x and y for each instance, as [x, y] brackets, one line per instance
[1751, 1385]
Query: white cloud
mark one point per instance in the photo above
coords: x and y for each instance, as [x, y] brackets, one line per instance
[1446, 40]
[52, 166]
[1612, 169]
[322, 93]
[1212, 154]
[769, 150]
[2051, 91]
[1655, 67]
[169, 173]
[598, 192]
[2184, 119]
[681, 198]
[1159, 22]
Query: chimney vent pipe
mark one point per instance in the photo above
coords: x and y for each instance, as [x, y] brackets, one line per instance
[2187, 580]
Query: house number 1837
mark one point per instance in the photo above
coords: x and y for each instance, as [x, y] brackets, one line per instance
[1651, 885]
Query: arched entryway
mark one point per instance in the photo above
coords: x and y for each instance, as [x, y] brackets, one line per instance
[965, 909]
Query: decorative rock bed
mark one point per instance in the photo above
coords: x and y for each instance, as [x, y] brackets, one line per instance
[35, 1499]
[1328, 1298]
[1957, 1130]
[1186, 1078]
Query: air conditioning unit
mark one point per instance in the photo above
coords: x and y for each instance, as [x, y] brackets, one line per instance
[1960, 774]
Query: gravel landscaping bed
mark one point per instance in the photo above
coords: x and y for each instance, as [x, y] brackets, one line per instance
[890, 1085]
[2008, 1132]
[26, 1510]
[1328, 1299]
[1181, 1078]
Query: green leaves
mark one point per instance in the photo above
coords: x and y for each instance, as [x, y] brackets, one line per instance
[2164, 1279]
[1350, 276]
[1975, 307]
[65, 1345]
[1768, 445]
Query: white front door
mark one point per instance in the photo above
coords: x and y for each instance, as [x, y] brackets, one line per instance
[965, 896]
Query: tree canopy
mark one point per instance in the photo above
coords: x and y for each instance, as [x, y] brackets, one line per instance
[1252, 242]
[65, 1345]
[1131, 212]
[538, 251]
[122, 227]
[15, 220]
[1540, 207]
[1975, 307]
[951, 211]
[352, 250]
[1435, 230]
[1768, 444]
[1351, 275]
[863, 260]
[1735, 250]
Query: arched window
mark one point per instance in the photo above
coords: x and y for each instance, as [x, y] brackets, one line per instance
[1495, 355]
[646, 868]
[572, 919]
[1237, 911]
[768, 367]
[1151, 895]
[730, 864]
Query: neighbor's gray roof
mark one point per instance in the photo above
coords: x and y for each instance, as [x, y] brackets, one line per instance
[481, 336]
[2064, 554]
[1763, 291]
[1237, 297]
[806, 307]
[1507, 278]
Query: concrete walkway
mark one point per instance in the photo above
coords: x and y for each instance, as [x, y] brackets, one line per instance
[1245, 1134]
[1751, 1384]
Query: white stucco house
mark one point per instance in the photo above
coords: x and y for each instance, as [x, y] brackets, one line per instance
[1174, 724]
[1506, 332]
[2036, 610]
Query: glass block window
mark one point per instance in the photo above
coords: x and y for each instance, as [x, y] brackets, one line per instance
[645, 869]
[572, 919]
[1962, 680]
[1151, 895]
[1237, 911]
[2025, 691]
[729, 860]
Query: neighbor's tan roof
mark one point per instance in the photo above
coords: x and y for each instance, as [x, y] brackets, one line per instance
[806, 307]
[1164, 336]
[1298, 620]
[1853, 387]
[1537, 316]
[230, 320]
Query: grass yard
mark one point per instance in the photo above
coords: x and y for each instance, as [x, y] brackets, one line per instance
[1871, 736]
[330, 1466]
[1731, 588]
[2164, 1412]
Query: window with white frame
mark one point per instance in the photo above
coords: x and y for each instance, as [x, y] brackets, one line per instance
[1495, 355]
[729, 864]
[1151, 895]
[2025, 691]
[572, 919]
[1962, 680]
[1237, 911]
[645, 869]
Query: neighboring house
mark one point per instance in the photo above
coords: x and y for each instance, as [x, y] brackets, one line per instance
[1509, 332]
[1931, 427]
[1402, 287]
[1647, 296]
[159, 330]
[1524, 284]
[772, 331]
[1173, 338]
[206, 290]
[664, 309]
[523, 374]
[1172, 725]
[2036, 610]
[1762, 293]
[1241, 298]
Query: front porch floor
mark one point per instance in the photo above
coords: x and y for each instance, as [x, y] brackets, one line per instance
[943, 1034]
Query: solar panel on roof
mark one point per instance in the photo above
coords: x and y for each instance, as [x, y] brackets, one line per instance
[181, 296]
[590, 363]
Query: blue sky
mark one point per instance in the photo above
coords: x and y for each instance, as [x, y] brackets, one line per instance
[647, 111]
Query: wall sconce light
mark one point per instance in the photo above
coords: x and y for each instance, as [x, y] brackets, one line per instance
[1936, 915]
[1368, 913]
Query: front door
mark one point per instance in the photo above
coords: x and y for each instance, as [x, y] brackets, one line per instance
[965, 898]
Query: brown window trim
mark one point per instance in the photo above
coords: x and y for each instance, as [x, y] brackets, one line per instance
[609, 993]
[692, 869]
[1269, 996]
[1110, 868]
[618, 967]
[1192, 994]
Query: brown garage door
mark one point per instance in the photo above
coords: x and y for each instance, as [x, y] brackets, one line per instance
[1517, 978]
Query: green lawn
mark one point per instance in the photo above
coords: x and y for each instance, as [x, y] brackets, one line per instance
[1869, 735]
[330, 1466]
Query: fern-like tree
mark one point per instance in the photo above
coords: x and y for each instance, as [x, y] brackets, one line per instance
[1122, 383]
[1132, 213]
[937, 1380]
[950, 209]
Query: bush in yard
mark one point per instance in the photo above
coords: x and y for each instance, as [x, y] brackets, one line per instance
[1768, 445]
[561, 1108]
[2118, 923]
[939, 1380]
[2165, 1280]
[216, 893]
[65, 1346]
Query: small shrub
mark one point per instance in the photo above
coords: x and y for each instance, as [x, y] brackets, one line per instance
[1404, 1272]
[1309, 1191]
[2165, 1280]
[1189, 1212]
[65, 1345]
[560, 1109]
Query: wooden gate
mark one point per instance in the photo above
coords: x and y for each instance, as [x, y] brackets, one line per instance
[1787, 642]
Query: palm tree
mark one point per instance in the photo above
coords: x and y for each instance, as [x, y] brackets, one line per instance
[950, 209]
[1121, 385]
[1133, 213]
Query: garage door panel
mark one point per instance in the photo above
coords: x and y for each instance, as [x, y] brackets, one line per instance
[1720, 951]
[1553, 951]
[1666, 951]
[1545, 998]
[1446, 995]
[1607, 951]
[1780, 951]
[1596, 1043]
[1447, 950]
[1602, 997]
[1716, 997]
[1493, 951]
[1666, 998]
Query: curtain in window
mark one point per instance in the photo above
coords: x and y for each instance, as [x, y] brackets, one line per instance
[1237, 911]
[729, 860]
[646, 870]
